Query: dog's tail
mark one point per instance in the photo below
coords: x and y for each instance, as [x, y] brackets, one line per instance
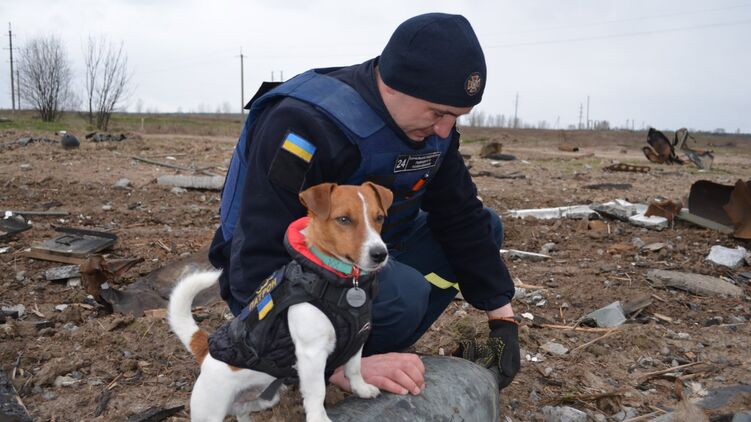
[180, 315]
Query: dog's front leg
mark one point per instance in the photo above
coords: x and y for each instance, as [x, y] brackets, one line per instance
[352, 370]
[314, 338]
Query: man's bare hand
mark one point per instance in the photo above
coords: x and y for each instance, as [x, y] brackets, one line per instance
[398, 373]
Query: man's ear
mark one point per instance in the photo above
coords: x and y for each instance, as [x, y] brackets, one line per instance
[385, 197]
[317, 199]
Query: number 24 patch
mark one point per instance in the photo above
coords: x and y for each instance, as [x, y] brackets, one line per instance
[407, 162]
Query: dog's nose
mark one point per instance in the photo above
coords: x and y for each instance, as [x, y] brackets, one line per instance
[378, 254]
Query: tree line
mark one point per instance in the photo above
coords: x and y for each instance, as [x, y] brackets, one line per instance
[46, 78]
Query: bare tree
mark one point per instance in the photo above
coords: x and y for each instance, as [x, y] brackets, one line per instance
[45, 76]
[107, 79]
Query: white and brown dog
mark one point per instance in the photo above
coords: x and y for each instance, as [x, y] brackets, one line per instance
[344, 223]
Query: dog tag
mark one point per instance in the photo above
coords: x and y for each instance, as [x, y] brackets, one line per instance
[356, 297]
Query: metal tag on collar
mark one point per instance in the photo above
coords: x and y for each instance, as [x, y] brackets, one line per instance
[355, 296]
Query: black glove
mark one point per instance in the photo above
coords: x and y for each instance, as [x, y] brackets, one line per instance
[503, 342]
[500, 353]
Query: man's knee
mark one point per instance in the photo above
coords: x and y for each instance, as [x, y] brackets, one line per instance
[496, 227]
[398, 308]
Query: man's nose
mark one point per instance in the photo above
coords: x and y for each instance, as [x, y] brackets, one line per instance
[443, 126]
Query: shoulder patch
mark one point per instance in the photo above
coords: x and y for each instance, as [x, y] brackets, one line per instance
[292, 161]
[299, 147]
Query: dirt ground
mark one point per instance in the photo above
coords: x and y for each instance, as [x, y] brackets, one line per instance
[91, 365]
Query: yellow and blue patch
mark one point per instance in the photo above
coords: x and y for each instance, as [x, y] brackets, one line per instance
[299, 147]
[265, 306]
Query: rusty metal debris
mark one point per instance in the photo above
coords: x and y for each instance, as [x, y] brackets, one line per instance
[628, 167]
[493, 151]
[738, 209]
[701, 158]
[666, 208]
[661, 151]
[152, 291]
[726, 208]
[568, 147]
[96, 271]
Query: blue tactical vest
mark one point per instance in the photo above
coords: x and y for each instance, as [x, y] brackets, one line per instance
[386, 159]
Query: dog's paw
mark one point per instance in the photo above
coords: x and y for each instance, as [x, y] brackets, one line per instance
[366, 391]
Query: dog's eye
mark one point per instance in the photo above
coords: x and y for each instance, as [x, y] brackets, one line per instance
[380, 218]
[344, 220]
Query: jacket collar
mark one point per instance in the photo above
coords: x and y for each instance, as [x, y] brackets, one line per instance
[317, 261]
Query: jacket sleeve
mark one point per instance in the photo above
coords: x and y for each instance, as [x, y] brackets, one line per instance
[462, 226]
[267, 206]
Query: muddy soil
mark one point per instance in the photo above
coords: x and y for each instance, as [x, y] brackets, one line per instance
[88, 364]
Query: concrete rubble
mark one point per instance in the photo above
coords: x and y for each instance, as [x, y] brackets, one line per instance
[695, 283]
[563, 414]
[608, 316]
[727, 257]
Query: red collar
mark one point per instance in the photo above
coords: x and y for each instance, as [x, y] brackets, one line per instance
[297, 241]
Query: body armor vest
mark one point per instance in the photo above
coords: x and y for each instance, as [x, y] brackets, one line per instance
[386, 159]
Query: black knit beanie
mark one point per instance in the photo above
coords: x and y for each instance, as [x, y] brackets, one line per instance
[435, 57]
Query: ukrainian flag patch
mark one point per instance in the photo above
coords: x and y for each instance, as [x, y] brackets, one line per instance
[265, 306]
[299, 147]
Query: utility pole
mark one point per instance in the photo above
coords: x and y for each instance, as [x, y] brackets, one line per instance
[516, 109]
[281, 76]
[242, 82]
[18, 88]
[12, 83]
[272, 76]
[587, 111]
[581, 108]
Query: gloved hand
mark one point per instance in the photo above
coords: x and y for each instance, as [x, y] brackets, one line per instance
[503, 342]
[500, 353]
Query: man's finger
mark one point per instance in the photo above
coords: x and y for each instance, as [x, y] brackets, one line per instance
[386, 384]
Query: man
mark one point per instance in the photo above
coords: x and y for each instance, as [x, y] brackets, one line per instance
[390, 120]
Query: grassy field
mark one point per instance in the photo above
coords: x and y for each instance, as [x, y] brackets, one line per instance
[77, 123]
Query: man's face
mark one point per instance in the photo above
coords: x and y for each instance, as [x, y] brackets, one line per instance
[419, 118]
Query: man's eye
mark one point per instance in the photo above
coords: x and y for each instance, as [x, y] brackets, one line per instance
[438, 115]
[344, 220]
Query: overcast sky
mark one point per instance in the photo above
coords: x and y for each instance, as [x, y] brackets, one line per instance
[666, 64]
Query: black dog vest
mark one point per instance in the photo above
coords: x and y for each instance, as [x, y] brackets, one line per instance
[259, 337]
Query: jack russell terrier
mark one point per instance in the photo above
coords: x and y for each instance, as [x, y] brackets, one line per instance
[308, 318]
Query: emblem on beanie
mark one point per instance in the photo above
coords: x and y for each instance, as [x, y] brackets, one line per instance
[473, 84]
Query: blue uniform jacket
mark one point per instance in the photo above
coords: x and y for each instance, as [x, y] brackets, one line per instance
[455, 215]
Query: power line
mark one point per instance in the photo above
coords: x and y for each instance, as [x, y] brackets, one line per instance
[612, 21]
[623, 35]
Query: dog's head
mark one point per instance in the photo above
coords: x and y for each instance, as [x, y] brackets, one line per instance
[345, 222]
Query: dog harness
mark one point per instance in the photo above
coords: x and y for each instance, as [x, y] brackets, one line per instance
[386, 158]
[259, 337]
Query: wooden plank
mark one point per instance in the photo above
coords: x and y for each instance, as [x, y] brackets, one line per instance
[45, 256]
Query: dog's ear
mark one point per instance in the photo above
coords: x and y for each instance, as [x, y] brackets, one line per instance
[317, 199]
[385, 196]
